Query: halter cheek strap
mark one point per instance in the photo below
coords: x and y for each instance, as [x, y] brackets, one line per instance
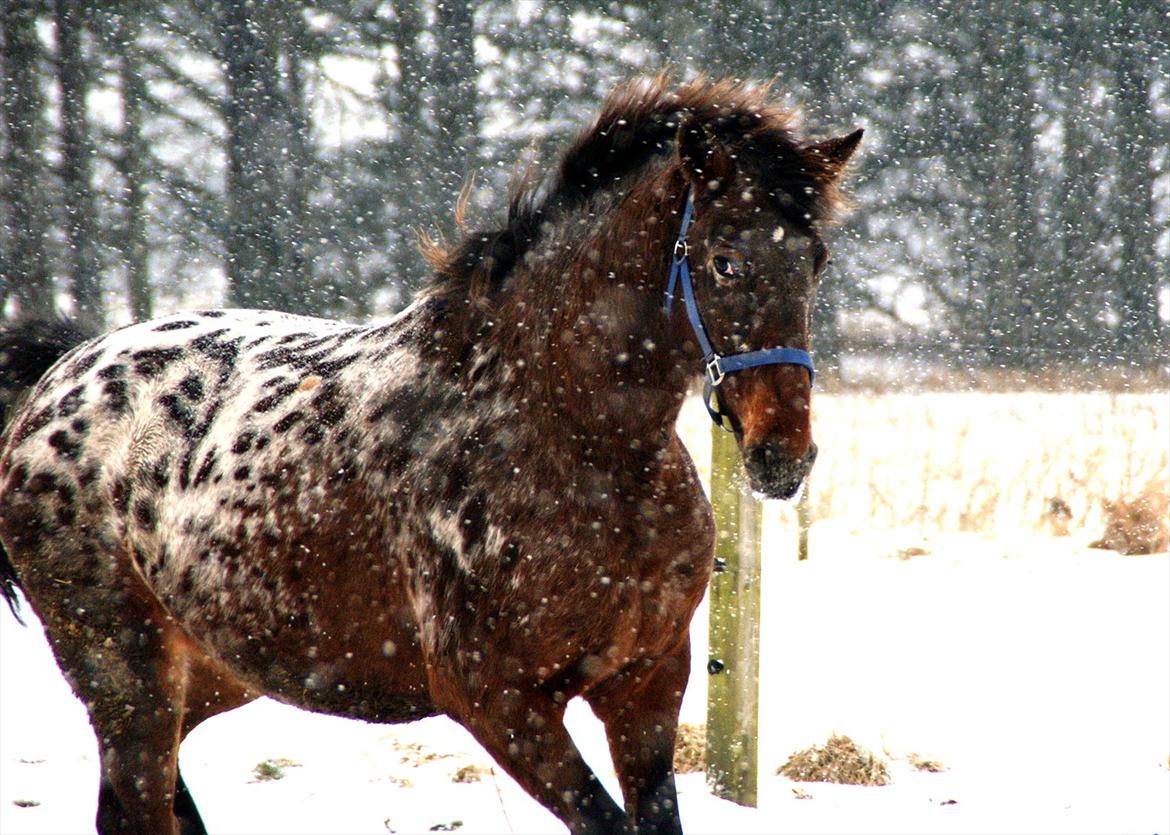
[717, 366]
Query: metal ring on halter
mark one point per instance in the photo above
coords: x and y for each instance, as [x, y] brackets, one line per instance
[716, 376]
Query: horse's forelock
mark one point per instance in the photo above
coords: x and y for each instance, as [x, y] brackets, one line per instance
[637, 123]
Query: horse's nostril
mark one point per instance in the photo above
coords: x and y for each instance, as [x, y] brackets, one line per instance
[774, 471]
[762, 456]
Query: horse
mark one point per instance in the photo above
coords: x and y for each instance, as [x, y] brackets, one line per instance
[478, 509]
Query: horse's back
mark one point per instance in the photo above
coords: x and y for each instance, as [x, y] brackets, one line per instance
[207, 460]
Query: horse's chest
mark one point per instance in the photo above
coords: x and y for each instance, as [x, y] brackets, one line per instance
[563, 561]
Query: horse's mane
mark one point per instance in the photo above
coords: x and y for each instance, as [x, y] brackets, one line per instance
[638, 122]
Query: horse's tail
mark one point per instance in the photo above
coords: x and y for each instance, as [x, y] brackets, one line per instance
[27, 351]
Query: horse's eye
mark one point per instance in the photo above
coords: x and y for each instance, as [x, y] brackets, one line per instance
[723, 266]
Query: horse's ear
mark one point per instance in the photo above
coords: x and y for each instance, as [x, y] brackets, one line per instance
[704, 159]
[837, 151]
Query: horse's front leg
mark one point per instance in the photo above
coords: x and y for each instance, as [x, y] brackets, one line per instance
[639, 707]
[525, 733]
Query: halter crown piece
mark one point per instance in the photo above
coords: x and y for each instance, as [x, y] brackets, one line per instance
[718, 366]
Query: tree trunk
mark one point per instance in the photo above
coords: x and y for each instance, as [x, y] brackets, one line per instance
[454, 99]
[1141, 334]
[131, 167]
[263, 266]
[84, 275]
[1007, 222]
[408, 155]
[300, 163]
[25, 172]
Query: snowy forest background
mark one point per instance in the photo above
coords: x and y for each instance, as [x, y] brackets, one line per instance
[1013, 194]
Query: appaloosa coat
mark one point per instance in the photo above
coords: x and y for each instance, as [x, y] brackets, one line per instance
[479, 509]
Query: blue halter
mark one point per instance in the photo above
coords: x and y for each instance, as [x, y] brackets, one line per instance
[717, 366]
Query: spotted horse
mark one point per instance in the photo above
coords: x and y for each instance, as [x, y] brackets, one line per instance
[479, 509]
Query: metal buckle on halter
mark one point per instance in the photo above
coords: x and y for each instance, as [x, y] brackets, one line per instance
[686, 250]
[715, 376]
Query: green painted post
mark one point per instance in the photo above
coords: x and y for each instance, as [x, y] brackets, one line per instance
[733, 683]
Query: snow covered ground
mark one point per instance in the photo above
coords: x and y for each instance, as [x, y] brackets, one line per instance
[1036, 670]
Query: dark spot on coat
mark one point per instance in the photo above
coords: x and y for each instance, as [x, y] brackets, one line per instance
[270, 402]
[65, 445]
[327, 368]
[41, 483]
[309, 344]
[473, 522]
[150, 362]
[83, 363]
[178, 412]
[144, 514]
[71, 402]
[88, 474]
[188, 580]
[243, 442]
[176, 326]
[80, 426]
[116, 399]
[66, 515]
[224, 351]
[192, 387]
[205, 468]
[209, 314]
[275, 357]
[242, 473]
[112, 372]
[286, 422]
[160, 472]
[120, 494]
[328, 403]
[18, 477]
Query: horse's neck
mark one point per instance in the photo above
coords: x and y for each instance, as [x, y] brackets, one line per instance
[577, 336]
[614, 363]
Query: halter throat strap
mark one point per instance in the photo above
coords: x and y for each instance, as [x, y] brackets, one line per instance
[717, 366]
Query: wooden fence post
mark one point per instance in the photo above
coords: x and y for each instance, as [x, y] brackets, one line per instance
[803, 521]
[733, 683]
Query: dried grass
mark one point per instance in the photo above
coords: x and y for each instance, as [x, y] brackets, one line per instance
[923, 764]
[272, 769]
[840, 760]
[689, 748]
[982, 462]
[986, 462]
[470, 773]
[1138, 525]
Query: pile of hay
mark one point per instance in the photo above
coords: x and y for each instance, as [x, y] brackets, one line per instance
[1137, 526]
[839, 761]
[688, 748]
[923, 764]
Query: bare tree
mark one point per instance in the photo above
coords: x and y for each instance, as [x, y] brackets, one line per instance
[25, 173]
[76, 167]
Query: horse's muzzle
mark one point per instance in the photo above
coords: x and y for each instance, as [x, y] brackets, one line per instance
[774, 472]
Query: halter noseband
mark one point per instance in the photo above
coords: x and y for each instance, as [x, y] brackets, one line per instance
[717, 366]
